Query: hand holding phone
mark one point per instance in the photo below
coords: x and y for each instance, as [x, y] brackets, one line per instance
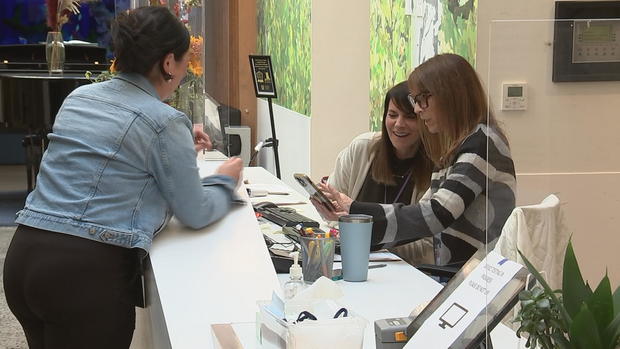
[315, 193]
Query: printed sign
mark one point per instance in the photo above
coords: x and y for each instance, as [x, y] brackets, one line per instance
[460, 309]
[262, 74]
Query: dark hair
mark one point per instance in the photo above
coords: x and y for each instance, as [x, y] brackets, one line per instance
[460, 98]
[385, 155]
[142, 37]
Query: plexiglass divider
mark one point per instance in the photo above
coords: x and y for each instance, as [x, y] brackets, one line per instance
[551, 87]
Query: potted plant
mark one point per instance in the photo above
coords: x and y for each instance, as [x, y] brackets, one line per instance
[574, 317]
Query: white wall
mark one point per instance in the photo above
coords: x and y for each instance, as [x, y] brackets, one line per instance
[340, 103]
[293, 133]
[566, 142]
[340, 79]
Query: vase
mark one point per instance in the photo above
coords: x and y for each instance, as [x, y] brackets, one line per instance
[55, 52]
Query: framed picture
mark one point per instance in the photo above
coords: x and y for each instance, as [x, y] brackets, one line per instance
[262, 75]
[586, 42]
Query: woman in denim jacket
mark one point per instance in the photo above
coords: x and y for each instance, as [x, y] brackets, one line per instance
[119, 164]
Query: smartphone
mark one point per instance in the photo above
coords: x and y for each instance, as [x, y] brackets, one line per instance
[314, 192]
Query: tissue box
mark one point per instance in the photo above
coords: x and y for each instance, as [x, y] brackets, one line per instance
[343, 332]
[325, 332]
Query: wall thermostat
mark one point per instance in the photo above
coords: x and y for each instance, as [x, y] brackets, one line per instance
[514, 96]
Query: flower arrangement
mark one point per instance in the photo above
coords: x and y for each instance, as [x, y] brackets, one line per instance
[58, 12]
[195, 61]
[189, 97]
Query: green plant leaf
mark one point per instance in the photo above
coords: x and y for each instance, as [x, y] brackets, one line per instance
[583, 332]
[560, 340]
[574, 289]
[617, 301]
[613, 332]
[565, 316]
[601, 306]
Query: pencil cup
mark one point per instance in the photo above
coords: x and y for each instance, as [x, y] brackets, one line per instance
[317, 256]
[355, 233]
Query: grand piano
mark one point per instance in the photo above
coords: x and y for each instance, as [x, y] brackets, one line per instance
[30, 96]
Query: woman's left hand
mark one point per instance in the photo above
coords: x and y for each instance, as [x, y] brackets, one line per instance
[201, 140]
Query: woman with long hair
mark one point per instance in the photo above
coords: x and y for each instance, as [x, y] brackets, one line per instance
[389, 167]
[472, 190]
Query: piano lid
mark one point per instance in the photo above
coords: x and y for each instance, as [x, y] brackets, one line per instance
[31, 57]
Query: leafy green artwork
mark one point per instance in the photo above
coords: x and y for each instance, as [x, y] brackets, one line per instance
[444, 26]
[284, 33]
[390, 52]
[457, 32]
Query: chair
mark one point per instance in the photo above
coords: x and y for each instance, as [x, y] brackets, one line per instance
[538, 231]
[541, 234]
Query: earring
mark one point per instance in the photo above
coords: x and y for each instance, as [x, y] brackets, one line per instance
[168, 77]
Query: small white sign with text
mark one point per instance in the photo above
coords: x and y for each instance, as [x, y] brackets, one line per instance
[460, 309]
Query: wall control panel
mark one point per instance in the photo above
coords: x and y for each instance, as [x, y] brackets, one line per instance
[514, 96]
[596, 41]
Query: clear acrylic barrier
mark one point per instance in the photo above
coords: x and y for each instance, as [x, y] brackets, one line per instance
[563, 140]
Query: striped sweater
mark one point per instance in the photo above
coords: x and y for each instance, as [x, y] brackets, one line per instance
[453, 210]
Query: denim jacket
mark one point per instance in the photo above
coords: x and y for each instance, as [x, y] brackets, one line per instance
[119, 164]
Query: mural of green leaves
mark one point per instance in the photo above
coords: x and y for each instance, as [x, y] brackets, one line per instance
[390, 52]
[391, 43]
[284, 33]
[457, 33]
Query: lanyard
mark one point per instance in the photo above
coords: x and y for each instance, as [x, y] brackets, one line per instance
[400, 191]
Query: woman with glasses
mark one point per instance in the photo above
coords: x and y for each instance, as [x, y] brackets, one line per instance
[120, 163]
[389, 167]
[473, 168]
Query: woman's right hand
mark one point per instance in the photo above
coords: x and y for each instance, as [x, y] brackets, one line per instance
[341, 202]
[231, 167]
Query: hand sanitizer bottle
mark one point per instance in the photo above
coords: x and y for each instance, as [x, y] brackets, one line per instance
[296, 282]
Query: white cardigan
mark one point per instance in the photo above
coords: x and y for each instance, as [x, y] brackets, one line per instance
[352, 166]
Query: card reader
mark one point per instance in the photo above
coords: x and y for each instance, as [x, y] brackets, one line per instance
[391, 333]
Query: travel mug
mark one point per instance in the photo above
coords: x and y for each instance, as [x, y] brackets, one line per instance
[355, 233]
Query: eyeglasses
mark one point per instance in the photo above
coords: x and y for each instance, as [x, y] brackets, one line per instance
[421, 99]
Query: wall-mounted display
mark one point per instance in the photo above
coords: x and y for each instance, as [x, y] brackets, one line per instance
[586, 45]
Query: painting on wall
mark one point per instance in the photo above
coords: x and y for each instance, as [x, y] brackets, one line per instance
[26, 22]
[284, 34]
[404, 34]
[390, 52]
